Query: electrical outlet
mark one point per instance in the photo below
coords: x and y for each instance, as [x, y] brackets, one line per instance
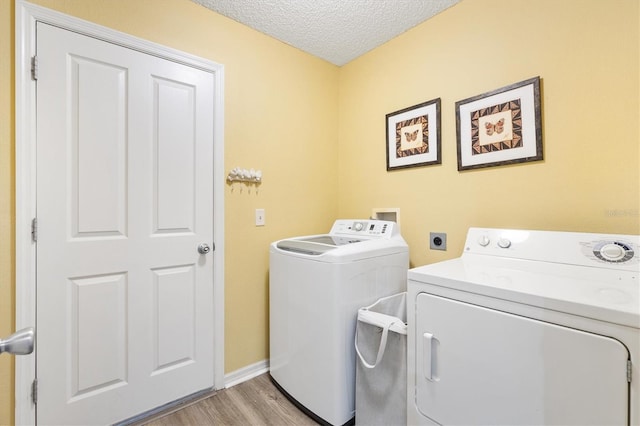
[260, 220]
[438, 241]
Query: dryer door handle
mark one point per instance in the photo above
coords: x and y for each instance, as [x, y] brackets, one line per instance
[429, 357]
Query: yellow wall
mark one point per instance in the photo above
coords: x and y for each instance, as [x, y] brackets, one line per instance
[586, 53]
[7, 206]
[317, 132]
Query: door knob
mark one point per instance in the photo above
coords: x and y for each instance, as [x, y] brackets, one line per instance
[19, 343]
[204, 248]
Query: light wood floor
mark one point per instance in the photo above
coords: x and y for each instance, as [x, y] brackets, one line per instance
[254, 402]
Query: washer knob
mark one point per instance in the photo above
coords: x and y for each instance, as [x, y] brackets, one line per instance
[504, 243]
[358, 226]
[483, 240]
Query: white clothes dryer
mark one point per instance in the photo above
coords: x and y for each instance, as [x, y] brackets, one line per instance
[527, 328]
[316, 285]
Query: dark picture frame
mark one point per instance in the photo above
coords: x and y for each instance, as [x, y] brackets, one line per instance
[413, 136]
[500, 127]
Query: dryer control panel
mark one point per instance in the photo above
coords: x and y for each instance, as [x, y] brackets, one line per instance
[368, 227]
[574, 248]
[612, 251]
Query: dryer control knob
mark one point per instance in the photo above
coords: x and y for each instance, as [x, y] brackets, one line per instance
[483, 240]
[504, 243]
[612, 252]
[358, 226]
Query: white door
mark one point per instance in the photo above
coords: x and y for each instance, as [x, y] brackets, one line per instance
[124, 198]
[478, 366]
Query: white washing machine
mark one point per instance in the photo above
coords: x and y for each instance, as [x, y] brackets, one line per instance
[527, 328]
[316, 285]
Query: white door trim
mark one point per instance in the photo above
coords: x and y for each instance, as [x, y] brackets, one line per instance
[27, 15]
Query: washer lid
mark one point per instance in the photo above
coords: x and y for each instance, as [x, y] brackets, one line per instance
[316, 244]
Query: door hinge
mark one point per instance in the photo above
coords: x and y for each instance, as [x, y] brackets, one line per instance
[34, 230]
[629, 370]
[34, 68]
[34, 391]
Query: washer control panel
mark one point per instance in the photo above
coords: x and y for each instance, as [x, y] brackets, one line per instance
[370, 228]
[615, 251]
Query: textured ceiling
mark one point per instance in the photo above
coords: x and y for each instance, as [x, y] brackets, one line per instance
[335, 30]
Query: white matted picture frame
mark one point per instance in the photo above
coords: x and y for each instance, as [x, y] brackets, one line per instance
[500, 127]
[413, 136]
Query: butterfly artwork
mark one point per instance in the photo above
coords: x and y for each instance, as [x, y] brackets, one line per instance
[497, 127]
[411, 136]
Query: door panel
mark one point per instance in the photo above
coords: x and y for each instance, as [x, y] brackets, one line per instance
[125, 195]
[98, 332]
[99, 147]
[174, 145]
[480, 366]
[174, 316]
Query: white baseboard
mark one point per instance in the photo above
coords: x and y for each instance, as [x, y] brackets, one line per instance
[246, 373]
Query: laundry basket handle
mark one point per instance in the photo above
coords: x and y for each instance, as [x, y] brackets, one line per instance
[381, 347]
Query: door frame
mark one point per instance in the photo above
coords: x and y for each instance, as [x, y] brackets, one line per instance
[27, 15]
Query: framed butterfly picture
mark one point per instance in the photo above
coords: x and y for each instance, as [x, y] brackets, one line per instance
[413, 136]
[500, 127]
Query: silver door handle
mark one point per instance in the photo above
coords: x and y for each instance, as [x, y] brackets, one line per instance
[19, 343]
[204, 248]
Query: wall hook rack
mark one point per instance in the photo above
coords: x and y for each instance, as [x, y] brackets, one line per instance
[243, 175]
[248, 177]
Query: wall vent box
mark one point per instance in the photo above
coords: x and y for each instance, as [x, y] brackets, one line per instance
[391, 214]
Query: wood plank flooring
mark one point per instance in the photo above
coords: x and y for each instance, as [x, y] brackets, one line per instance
[254, 402]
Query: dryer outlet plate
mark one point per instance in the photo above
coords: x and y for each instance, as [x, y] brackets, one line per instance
[438, 241]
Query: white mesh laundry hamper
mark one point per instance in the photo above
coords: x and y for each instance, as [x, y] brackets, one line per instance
[381, 367]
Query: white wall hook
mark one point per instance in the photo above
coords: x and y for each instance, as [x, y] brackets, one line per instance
[243, 175]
